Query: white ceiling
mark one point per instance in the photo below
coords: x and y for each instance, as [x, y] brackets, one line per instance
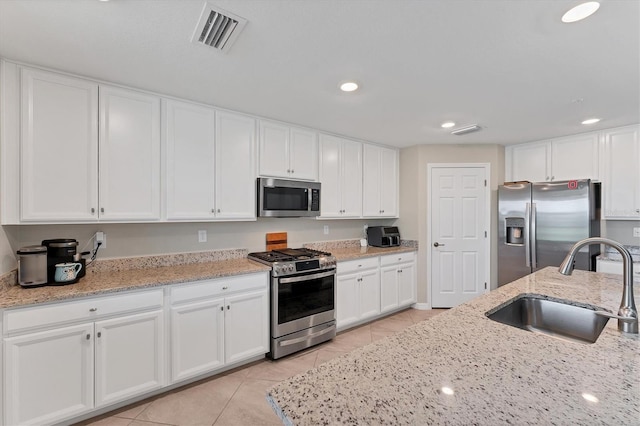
[509, 65]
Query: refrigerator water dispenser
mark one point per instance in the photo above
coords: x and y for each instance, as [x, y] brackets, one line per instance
[515, 230]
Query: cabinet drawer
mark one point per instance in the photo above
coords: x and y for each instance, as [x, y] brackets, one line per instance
[80, 310]
[391, 259]
[357, 265]
[217, 287]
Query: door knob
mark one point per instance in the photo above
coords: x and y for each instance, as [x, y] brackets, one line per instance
[437, 244]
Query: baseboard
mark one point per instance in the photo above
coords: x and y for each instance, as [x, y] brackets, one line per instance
[422, 306]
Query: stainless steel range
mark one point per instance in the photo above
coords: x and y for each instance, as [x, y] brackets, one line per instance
[302, 298]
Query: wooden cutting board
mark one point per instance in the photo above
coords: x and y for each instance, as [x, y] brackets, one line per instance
[276, 240]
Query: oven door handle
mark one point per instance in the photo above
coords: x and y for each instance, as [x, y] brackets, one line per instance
[307, 277]
[310, 336]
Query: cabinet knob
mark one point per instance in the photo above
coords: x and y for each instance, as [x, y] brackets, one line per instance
[288, 170]
[437, 244]
[400, 270]
[637, 210]
[222, 308]
[228, 307]
[88, 337]
[93, 309]
[225, 287]
[547, 178]
[99, 333]
[93, 210]
[552, 178]
[213, 210]
[218, 210]
[292, 171]
[101, 209]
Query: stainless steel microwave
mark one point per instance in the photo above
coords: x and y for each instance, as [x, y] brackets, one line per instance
[288, 198]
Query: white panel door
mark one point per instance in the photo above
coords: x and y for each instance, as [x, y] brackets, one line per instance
[303, 154]
[129, 356]
[274, 150]
[189, 134]
[351, 179]
[48, 375]
[459, 255]
[330, 176]
[129, 155]
[197, 338]
[246, 332]
[235, 166]
[59, 144]
[575, 157]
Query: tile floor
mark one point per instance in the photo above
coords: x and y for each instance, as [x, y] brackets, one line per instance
[237, 397]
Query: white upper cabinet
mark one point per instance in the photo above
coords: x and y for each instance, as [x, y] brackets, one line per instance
[380, 182]
[572, 157]
[288, 152]
[189, 134]
[59, 158]
[341, 177]
[621, 179]
[235, 166]
[129, 155]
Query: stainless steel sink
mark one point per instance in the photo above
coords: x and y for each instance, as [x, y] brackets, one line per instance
[554, 318]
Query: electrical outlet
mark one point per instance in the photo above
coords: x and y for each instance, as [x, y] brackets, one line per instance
[202, 236]
[101, 237]
[326, 230]
[636, 232]
[365, 229]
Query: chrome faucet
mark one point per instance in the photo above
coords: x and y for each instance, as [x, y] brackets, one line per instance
[627, 314]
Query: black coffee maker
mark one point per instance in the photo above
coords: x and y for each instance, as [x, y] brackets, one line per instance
[62, 250]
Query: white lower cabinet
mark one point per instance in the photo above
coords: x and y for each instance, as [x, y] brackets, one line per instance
[397, 281]
[55, 370]
[219, 322]
[358, 292]
[370, 287]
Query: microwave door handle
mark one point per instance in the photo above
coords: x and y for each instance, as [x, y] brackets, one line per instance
[309, 199]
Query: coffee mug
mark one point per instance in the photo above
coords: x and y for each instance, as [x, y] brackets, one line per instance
[67, 272]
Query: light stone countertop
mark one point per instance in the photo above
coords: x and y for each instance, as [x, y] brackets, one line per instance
[97, 282]
[500, 374]
[351, 253]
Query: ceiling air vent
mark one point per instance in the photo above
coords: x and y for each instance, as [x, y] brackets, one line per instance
[465, 130]
[217, 28]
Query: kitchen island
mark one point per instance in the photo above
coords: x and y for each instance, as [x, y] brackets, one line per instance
[463, 368]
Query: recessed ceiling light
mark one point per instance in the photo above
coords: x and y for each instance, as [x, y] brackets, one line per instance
[349, 86]
[591, 121]
[580, 12]
[447, 124]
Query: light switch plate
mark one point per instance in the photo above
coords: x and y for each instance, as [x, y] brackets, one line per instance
[636, 232]
[202, 236]
[326, 230]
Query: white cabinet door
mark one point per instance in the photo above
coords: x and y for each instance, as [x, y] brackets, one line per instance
[575, 157]
[621, 180]
[48, 375]
[189, 135]
[347, 304]
[330, 176]
[388, 288]
[369, 293]
[303, 154]
[197, 338]
[246, 326]
[380, 182]
[351, 160]
[530, 162]
[129, 356]
[235, 181]
[59, 144]
[407, 294]
[274, 150]
[129, 155]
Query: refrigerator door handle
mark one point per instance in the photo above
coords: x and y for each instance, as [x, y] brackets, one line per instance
[533, 237]
[527, 239]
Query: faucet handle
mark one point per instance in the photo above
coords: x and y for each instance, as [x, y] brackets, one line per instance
[618, 317]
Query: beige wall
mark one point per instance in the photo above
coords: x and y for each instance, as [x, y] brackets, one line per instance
[414, 195]
[125, 240]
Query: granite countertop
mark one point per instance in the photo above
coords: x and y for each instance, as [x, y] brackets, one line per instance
[100, 281]
[614, 255]
[352, 253]
[500, 374]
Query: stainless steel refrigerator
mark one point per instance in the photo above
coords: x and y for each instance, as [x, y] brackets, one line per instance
[539, 222]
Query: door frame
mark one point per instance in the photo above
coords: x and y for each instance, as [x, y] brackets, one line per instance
[487, 222]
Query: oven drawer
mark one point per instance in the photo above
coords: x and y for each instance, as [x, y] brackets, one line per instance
[221, 286]
[352, 266]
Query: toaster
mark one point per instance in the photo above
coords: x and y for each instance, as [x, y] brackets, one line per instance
[383, 236]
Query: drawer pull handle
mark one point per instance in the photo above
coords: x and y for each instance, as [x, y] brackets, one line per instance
[93, 309]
